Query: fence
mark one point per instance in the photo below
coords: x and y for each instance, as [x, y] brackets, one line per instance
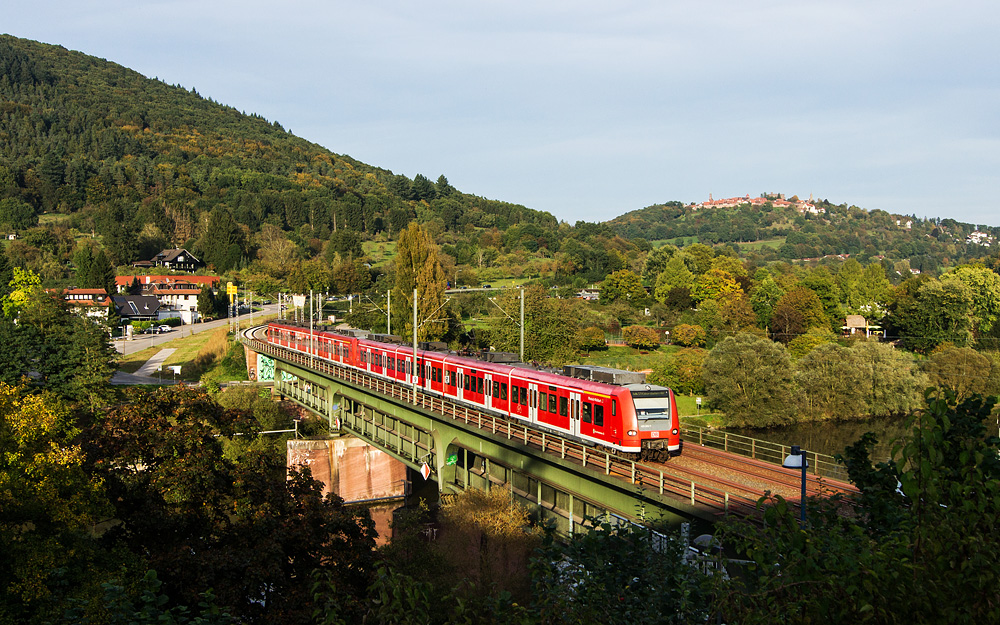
[819, 464]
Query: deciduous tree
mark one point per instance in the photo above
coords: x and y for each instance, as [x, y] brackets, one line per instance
[417, 267]
[749, 378]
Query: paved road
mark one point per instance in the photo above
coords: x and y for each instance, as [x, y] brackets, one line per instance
[144, 341]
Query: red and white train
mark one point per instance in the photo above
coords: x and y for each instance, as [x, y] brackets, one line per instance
[629, 418]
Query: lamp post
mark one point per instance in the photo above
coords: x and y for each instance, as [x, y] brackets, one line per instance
[797, 460]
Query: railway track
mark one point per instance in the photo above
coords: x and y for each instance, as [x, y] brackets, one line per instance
[707, 478]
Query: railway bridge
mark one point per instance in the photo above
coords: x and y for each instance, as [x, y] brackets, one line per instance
[459, 447]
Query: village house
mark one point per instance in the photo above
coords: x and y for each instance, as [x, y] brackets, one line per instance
[177, 295]
[175, 259]
[92, 303]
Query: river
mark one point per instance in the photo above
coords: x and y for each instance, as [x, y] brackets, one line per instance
[831, 438]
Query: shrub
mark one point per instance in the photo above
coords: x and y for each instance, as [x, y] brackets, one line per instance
[641, 337]
[688, 335]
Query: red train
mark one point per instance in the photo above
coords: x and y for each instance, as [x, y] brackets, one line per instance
[629, 418]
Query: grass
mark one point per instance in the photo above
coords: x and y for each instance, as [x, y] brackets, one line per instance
[195, 354]
[765, 243]
[618, 357]
[381, 252]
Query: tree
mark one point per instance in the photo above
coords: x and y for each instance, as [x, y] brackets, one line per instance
[641, 337]
[985, 287]
[698, 257]
[70, 355]
[591, 339]
[550, 325]
[941, 311]
[688, 335]
[6, 275]
[682, 372]
[417, 267]
[121, 232]
[613, 574]
[923, 548]
[48, 507]
[207, 306]
[24, 285]
[16, 215]
[749, 378]
[674, 275]
[810, 340]
[345, 244]
[798, 310]
[205, 519]
[223, 243]
[623, 285]
[714, 284]
[896, 384]
[763, 297]
[657, 261]
[833, 381]
[961, 370]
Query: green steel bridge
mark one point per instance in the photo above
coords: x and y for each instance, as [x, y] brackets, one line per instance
[563, 481]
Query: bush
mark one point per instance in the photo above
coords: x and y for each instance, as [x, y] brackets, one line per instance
[688, 335]
[640, 337]
[591, 339]
[682, 372]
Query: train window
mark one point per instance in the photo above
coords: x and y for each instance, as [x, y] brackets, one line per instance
[409, 367]
[503, 391]
[598, 415]
[542, 401]
[552, 403]
[496, 389]
[513, 394]
[524, 396]
[614, 407]
[534, 399]
[479, 385]
[562, 406]
[586, 412]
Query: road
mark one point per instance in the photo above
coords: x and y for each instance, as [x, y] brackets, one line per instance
[145, 341]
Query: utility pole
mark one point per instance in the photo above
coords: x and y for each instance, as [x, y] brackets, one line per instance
[414, 346]
[522, 324]
[388, 311]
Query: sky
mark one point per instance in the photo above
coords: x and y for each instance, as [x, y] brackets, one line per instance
[589, 109]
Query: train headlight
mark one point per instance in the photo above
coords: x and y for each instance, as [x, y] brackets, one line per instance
[674, 431]
[632, 432]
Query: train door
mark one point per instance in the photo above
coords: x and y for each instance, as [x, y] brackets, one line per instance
[574, 413]
[488, 388]
[532, 402]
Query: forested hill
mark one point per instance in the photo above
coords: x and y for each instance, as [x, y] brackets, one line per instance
[794, 233]
[150, 165]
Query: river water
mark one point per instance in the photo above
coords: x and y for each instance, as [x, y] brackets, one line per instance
[832, 437]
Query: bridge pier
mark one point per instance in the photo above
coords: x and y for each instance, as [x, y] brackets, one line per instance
[461, 454]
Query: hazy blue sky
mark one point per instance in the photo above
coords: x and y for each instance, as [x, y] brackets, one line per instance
[592, 109]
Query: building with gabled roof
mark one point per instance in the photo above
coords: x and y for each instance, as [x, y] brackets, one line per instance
[136, 307]
[177, 259]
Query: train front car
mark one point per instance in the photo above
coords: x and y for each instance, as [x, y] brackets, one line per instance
[656, 423]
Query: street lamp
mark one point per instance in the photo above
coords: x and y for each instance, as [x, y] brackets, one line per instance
[797, 460]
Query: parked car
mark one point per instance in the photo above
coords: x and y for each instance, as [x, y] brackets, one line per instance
[162, 329]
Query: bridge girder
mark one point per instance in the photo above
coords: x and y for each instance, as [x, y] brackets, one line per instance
[555, 488]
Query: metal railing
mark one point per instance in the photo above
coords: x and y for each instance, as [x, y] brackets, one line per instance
[819, 464]
[643, 476]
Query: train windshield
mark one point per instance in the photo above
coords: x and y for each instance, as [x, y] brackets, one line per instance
[652, 408]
